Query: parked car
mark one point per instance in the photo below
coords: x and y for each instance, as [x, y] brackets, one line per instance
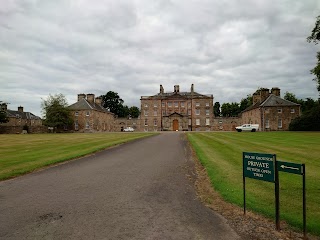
[248, 128]
[128, 129]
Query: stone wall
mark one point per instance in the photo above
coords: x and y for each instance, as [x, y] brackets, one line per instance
[122, 123]
[19, 129]
[226, 123]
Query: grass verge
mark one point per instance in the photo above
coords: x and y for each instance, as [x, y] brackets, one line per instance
[221, 155]
[24, 153]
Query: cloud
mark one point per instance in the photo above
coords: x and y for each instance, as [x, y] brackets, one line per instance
[226, 48]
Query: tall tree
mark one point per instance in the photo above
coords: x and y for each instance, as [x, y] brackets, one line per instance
[112, 101]
[56, 112]
[315, 37]
[216, 109]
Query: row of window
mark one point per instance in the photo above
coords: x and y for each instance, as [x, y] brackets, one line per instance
[198, 122]
[77, 114]
[76, 125]
[197, 112]
[268, 123]
[176, 104]
[292, 110]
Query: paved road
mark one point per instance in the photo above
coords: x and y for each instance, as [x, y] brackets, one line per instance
[139, 190]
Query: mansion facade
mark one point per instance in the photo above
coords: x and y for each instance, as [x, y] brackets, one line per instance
[177, 111]
[184, 111]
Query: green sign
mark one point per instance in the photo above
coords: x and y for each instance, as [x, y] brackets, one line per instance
[289, 167]
[259, 166]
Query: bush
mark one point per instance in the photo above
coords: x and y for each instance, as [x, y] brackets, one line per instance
[309, 121]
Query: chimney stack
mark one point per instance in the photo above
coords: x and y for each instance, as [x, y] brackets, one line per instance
[264, 94]
[256, 97]
[81, 96]
[90, 98]
[20, 109]
[192, 88]
[98, 100]
[275, 91]
[161, 89]
[176, 88]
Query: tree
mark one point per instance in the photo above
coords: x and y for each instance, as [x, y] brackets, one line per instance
[315, 37]
[123, 111]
[112, 101]
[3, 117]
[309, 121]
[245, 102]
[56, 112]
[134, 112]
[291, 97]
[216, 109]
[308, 105]
[230, 110]
[3, 114]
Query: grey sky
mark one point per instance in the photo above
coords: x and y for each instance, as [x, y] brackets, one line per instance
[226, 48]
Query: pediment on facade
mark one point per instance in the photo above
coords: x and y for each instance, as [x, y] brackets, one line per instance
[176, 96]
[175, 114]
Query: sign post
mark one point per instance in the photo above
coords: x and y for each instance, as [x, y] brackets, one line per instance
[299, 169]
[265, 167]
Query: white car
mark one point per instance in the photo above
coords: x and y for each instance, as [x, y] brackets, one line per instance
[248, 128]
[128, 129]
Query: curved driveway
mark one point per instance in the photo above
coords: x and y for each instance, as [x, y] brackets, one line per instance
[138, 190]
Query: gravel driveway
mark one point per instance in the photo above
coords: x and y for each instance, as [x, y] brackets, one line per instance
[139, 190]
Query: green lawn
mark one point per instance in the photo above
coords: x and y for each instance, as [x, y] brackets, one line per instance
[23, 153]
[221, 154]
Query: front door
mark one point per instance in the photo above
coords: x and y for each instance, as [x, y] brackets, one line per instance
[175, 125]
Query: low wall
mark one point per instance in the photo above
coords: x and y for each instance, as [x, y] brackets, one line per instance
[19, 129]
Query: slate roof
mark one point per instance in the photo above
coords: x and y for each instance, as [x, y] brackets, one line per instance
[272, 101]
[22, 115]
[83, 104]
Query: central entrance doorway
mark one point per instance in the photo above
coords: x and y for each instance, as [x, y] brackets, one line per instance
[175, 125]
